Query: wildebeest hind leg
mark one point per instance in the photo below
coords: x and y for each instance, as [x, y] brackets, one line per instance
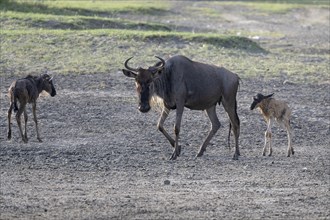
[231, 109]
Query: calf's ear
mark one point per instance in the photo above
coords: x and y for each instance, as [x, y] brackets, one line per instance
[129, 73]
[270, 95]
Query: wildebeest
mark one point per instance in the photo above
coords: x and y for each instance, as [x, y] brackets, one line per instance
[27, 90]
[272, 109]
[181, 82]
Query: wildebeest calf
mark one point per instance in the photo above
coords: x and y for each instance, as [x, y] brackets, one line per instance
[272, 109]
[27, 90]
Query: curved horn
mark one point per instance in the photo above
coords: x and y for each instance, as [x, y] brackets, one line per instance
[129, 68]
[163, 62]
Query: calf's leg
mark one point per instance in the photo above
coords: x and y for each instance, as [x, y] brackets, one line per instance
[25, 124]
[268, 138]
[290, 148]
[18, 119]
[9, 120]
[34, 107]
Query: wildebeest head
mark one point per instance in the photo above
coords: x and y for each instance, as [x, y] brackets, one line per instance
[258, 98]
[47, 84]
[143, 80]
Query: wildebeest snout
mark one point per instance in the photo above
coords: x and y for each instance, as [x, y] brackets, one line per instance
[53, 93]
[253, 105]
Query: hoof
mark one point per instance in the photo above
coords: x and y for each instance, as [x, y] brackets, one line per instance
[175, 153]
[200, 153]
[39, 140]
[235, 157]
[179, 150]
[174, 156]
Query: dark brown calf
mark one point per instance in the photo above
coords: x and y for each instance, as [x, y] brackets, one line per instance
[27, 90]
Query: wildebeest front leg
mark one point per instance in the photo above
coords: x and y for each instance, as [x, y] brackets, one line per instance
[160, 125]
[177, 148]
[215, 127]
[34, 107]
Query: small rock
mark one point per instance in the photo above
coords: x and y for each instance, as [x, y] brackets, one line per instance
[167, 182]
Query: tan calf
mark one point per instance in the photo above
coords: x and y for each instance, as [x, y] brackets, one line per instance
[272, 109]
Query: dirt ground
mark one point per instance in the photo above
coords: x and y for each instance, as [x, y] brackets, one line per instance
[103, 159]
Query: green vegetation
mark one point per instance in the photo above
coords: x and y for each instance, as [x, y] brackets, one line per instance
[83, 7]
[86, 37]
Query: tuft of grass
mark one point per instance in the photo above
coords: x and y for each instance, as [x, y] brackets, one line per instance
[104, 51]
[233, 42]
[17, 20]
[86, 37]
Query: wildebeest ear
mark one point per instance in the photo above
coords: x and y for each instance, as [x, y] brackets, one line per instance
[154, 71]
[46, 77]
[129, 73]
[270, 95]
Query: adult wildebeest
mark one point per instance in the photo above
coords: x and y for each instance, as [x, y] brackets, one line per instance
[27, 90]
[181, 82]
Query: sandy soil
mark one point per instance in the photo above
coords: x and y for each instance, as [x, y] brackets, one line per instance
[102, 159]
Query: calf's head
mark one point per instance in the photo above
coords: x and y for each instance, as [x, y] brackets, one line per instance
[143, 80]
[48, 85]
[257, 99]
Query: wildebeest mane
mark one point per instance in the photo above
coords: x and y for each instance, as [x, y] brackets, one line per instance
[162, 85]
